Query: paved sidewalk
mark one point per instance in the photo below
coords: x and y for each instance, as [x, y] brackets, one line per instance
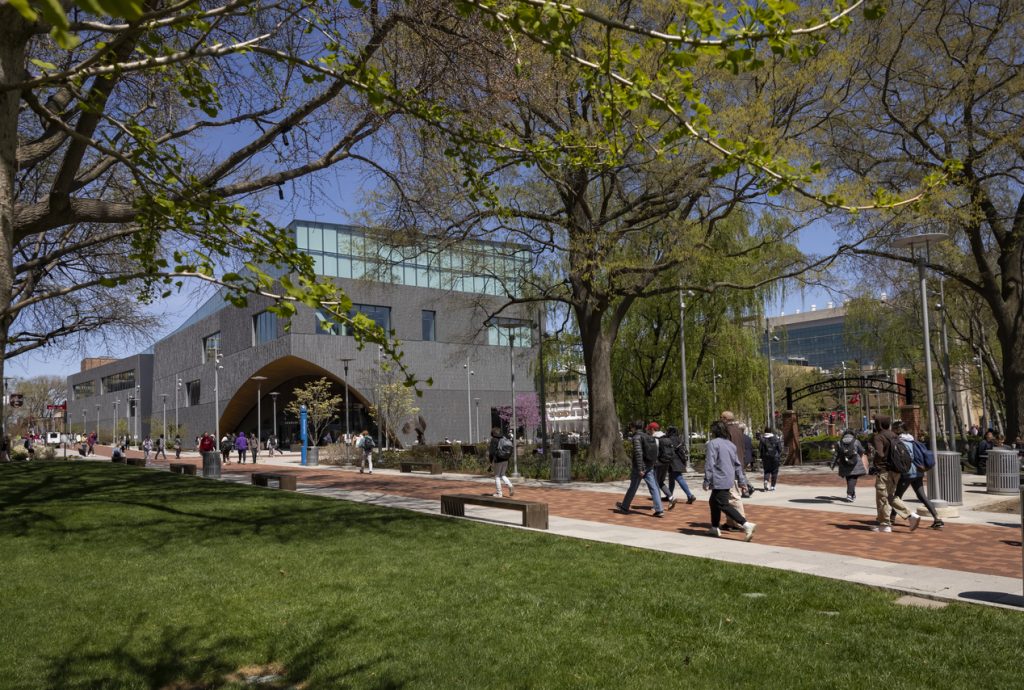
[804, 526]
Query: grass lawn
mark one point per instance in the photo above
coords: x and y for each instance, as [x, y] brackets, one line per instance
[118, 577]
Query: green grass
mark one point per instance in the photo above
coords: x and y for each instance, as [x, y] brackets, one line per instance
[114, 576]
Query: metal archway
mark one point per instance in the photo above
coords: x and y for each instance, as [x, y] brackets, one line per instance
[905, 390]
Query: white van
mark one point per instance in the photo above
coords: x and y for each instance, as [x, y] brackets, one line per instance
[52, 438]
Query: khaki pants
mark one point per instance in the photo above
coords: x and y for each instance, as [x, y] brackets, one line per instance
[886, 500]
[736, 501]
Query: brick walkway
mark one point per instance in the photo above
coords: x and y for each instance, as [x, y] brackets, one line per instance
[984, 549]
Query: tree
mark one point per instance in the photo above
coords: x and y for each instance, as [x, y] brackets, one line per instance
[321, 402]
[939, 84]
[39, 394]
[527, 412]
[392, 401]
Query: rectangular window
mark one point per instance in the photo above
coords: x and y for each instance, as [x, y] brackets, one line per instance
[264, 328]
[211, 346]
[379, 315]
[118, 382]
[500, 336]
[192, 393]
[86, 389]
[429, 319]
[326, 324]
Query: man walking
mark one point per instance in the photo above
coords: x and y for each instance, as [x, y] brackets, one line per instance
[887, 476]
[160, 448]
[722, 471]
[734, 434]
[645, 456]
[366, 444]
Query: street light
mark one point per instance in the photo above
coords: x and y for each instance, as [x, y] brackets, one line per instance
[348, 434]
[138, 409]
[476, 439]
[510, 324]
[97, 422]
[217, 366]
[846, 404]
[913, 242]
[984, 403]
[113, 424]
[177, 387]
[682, 359]
[469, 397]
[947, 378]
[163, 396]
[273, 397]
[85, 422]
[259, 409]
[771, 372]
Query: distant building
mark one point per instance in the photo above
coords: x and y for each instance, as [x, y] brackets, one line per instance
[435, 298]
[816, 338]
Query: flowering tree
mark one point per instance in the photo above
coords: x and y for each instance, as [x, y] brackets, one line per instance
[527, 411]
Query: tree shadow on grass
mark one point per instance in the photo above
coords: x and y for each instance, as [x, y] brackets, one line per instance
[186, 658]
[113, 503]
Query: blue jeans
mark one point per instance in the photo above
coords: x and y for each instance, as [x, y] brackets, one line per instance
[634, 483]
[677, 477]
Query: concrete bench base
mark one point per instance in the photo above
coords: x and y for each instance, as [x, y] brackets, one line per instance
[284, 481]
[183, 468]
[433, 466]
[535, 514]
[138, 462]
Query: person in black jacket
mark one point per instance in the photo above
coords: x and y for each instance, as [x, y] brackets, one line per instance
[645, 456]
[678, 459]
[498, 453]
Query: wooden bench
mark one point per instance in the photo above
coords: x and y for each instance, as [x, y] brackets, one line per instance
[183, 468]
[284, 481]
[535, 514]
[120, 459]
[138, 462]
[432, 465]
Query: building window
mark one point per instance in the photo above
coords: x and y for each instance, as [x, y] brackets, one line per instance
[429, 320]
[192, 393]
[118, 382]
[264, 328]
[379, 315]
[499, 336]
[86, 389]
[211, 346]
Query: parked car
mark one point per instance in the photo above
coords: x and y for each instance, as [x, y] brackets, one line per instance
[52, 438]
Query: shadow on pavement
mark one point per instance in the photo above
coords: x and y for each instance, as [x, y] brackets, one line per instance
[995, 598]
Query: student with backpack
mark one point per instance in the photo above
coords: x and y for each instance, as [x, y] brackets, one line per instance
[499, 452]
[922, 460]
[849, 458]
[678, 458]
[770, 450]
[722, 470]
[890, 459]
[645, 457]
[366, 444]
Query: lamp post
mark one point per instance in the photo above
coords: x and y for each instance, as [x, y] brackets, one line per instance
[273, 398]
[348, 436]
[217, 366]
[97, 422]
[380, 400]
[510, 324]
[138, 410]
[682, 368]
[769, 338]
[846, 403]
[177, 387]
[469, 397]
[85, 422]
[947, 378]
[476, 438]
[163, 397]
[128, 419]
[984, 403]
[912, 242]
[259, 410]
[113, 424]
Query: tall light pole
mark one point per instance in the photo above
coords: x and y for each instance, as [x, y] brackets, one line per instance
[97, 422]
[128, 418]
[177, 387]
[510, 324]
[380, 399]
[846, 403]
[476, 438]
[163, 396]
[217, 366]
[769, 338]
[259, 409]
[469, 397]
[348, 434]
[138, 410]
[682, 360]
[912, 242]
[985, 422]
[273, 397]
[113, 425]
[85, 423]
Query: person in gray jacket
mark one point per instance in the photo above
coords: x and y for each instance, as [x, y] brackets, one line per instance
[722, 469]
[849, 458]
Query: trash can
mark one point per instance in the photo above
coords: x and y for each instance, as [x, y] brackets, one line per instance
[313, 456]
[211, 464]
[1002, 476]
[945, 479]
[561, 468]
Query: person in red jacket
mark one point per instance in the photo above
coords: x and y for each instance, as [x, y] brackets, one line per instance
[206, 443]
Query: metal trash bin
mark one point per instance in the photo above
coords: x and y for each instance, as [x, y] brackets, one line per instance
[1002, 476]
[561, 466]
[211, 464]
[945, 479]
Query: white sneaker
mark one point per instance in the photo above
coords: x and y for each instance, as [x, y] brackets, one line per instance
[748, 530]
[914, 520]
[881, 528]
[496, 495]
[714, 532]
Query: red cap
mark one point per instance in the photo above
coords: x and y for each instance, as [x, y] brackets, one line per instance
[653, 426]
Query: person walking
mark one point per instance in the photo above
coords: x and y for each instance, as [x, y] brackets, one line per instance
[177, 447]
[770, 450]
[254, 446]
[90, 443]
[849, 457]
[748, 451]
[499, 452]
[735, 435]
[913, 479]
[147, 446]
[722, 471]
[678, 459]
[887, 475]
[644, 456]
[242, 446]
[227, 446]
[366, 444]
[205, 443]
[661, 467]
[160, 450]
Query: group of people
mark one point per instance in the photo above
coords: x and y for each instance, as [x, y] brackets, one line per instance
[893, 475]
[660, 460]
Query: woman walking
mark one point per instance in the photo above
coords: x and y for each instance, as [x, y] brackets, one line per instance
[850, 458]
[499, 450]
[242, 446]
[678, 458]
[914, 478]
[722, 469]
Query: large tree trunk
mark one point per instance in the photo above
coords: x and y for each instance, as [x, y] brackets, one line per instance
[605, 438]
[1013, 377]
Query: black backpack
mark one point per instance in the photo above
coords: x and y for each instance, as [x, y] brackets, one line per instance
[850, 457]
[665, 450]
[649, 444]
[772, 448]
[899, 458]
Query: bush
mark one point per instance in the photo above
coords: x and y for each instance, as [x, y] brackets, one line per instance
[18, 453]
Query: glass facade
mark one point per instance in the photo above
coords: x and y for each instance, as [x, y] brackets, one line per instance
[86, 389]
[264, 327]
[192, 393]
[499, 336]
[824, 344]
[429, 319]
[343, 251]
[211, 346]
[379, 315]
[118, 382]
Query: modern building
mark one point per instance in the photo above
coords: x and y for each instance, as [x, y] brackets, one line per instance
[818, 338]
[434, 298]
